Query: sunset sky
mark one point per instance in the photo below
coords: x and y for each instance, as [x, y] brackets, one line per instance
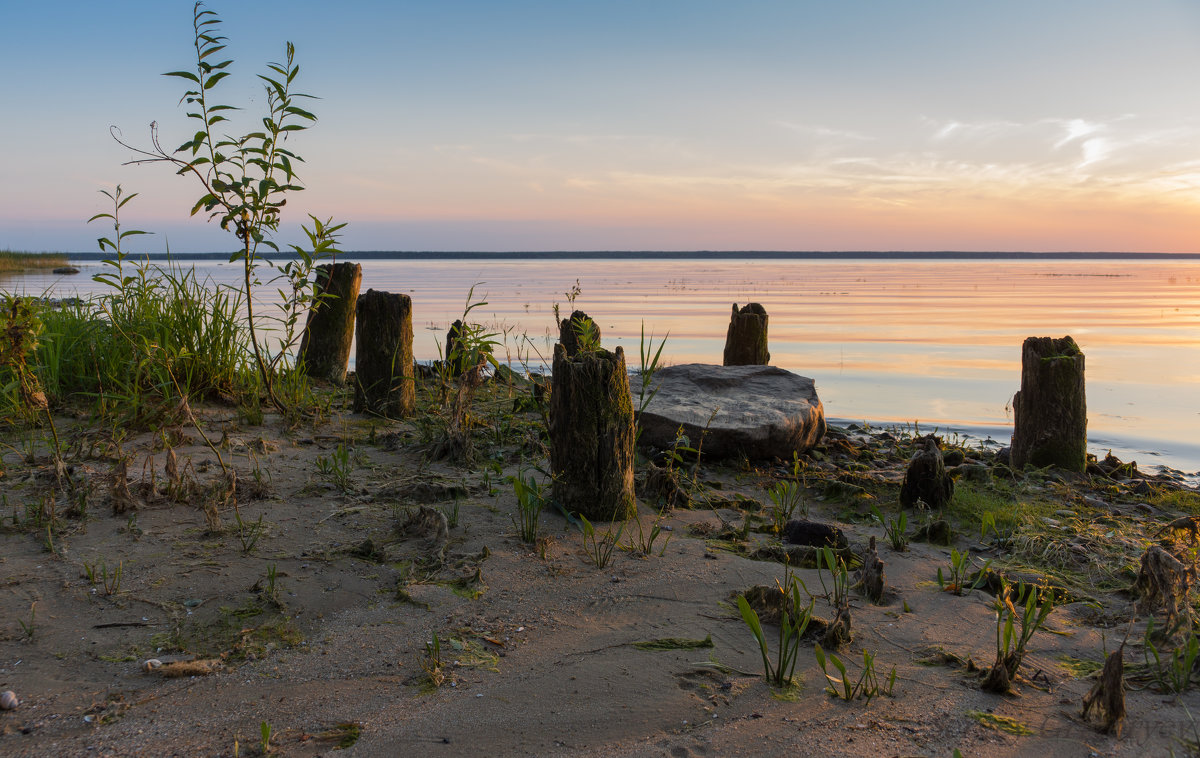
[689, 124]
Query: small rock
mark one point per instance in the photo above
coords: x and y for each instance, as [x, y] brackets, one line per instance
[8, 701]
[151, 665]
[936, 533]
[66, 270]
[814, 534]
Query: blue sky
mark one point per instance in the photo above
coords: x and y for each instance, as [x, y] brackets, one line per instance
[638, 125]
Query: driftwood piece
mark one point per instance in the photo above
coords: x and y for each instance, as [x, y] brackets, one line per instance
[591, 434]
[1107, 697]
[839, 632]
[746, 340]
[578, 330]
[122, 499]
[384, 383]
[870, 577]
[325, 346]
[1050, 410]
[1163, 583]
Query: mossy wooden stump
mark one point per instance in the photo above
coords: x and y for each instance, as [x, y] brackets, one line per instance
[1050, 411]
[571, 330]
[746, 340]
[591, 434]
[384, 382]
[325, 347]
[925, 479]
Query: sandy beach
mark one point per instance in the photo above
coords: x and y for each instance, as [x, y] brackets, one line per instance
[313, 616]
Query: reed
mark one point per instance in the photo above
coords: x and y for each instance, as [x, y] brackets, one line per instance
[17, 260]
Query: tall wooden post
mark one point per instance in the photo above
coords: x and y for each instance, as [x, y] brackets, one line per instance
[325, 346]
[746, 340]
[1050, 411]
[384, 383]
[591, 434]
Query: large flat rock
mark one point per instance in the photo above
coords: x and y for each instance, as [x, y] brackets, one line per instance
[758, 411]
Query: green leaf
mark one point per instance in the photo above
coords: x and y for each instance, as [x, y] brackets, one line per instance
[293, 110]
[749, 616]
[212, 80]
[213, 50]
[184, 75]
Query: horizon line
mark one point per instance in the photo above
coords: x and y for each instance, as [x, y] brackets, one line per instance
[681, 254]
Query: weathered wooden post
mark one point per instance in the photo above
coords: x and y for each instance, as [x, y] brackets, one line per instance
[746, 340]
[384, 382]
[1050, 411]
[325, 346]
[591, 433]
[572, 329]
[453, 358]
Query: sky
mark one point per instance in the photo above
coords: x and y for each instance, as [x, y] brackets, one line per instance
[1071, 125]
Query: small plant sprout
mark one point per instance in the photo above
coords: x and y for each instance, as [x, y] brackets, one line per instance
[960, 567]
[650, 362]
[894, 528]
[793, 623]
[868, 685]
[1029, 612]
[838, 590]
[643, 544]
[271, 590]
[785, 496]
[264, 743]
[586, 333]
[110, 582]
[249, 532]
[28, 629]
[599, 550]
[337, 467]
[530, 501]
[451, 512]
[1174, 672]
[431, 664]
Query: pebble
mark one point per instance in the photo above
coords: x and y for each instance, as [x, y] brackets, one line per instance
[151, 665]
[8, 701]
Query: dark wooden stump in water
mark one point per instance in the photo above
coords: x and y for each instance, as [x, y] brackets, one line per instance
[1050, 411]
[384, 382]
[746, 340]
[325, 346]
[571, 330]
[591, 434]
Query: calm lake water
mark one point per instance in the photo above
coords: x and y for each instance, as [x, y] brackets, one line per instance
[934, 343]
